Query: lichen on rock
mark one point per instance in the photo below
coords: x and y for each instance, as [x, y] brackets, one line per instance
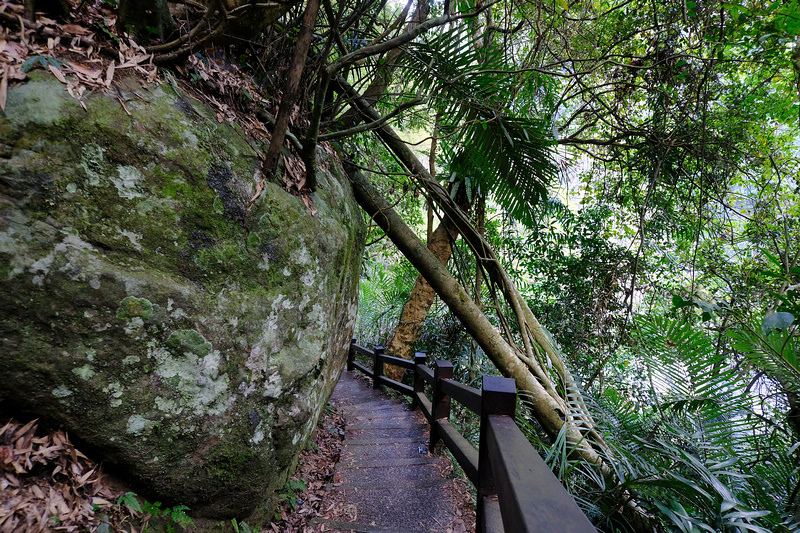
[144, 309]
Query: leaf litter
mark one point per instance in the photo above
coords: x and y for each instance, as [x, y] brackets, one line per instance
[49, 485]
[294, 514]
[88, 54]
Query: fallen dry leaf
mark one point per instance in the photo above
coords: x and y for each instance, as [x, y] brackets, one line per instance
[51, 479]
[75, 29]
[57, 73]
[315, 466]
[110, 74]
[3, 90]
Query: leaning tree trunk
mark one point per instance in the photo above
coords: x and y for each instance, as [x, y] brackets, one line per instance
[549, 407]
[550, 410]
[419, 303]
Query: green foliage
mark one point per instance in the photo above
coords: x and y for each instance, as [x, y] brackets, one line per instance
[129, 499]
[701, 451]
[572, 276]
[167, 518]
[289, 495]
[240, 527]
[383, 292]
[41, 61]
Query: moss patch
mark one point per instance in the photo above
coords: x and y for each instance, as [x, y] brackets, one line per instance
[131, 307]
[188, 340]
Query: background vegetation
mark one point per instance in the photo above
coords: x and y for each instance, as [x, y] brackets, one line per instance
[663, 256]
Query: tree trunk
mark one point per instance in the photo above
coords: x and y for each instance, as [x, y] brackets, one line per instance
[456, 298]
[415, 311]
[480, 218]
[549, 410]
[440, 242]
[291, 94]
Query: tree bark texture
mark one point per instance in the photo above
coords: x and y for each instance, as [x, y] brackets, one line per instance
[419, 302]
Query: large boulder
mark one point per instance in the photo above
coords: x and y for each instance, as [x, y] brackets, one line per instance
[191, 342]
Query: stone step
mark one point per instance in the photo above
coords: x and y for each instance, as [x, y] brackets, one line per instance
[381, 432]
[355, 527]
[395, 462]
[374, 440]
[400, 509]
[371, 407]
[380, 422]
[384, 451]
[386, 484]
[392, 423]
[377, 473]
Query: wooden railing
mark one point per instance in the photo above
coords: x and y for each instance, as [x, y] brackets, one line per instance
[516, 490]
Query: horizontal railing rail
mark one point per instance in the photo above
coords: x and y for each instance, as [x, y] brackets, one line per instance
[516, 490]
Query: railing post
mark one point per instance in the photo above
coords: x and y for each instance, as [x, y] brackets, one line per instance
[440, 406]
[351, 355]
[377, 367]
[498, 397]
[419, 383]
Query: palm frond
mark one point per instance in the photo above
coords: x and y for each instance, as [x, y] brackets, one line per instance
[776, 352]
[712, 436]
[486, 144]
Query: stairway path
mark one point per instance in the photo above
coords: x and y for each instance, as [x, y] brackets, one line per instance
[386, 481]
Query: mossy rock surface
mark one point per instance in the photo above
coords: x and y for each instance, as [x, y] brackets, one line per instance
[190, 342]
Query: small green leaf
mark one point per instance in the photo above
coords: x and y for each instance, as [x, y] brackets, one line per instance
[54, 61]
[152, 508]
[179, 516]
[129, 499]
[32, 62]
[678, 302]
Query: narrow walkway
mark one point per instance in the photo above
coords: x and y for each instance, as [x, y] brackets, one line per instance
[386, 481]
